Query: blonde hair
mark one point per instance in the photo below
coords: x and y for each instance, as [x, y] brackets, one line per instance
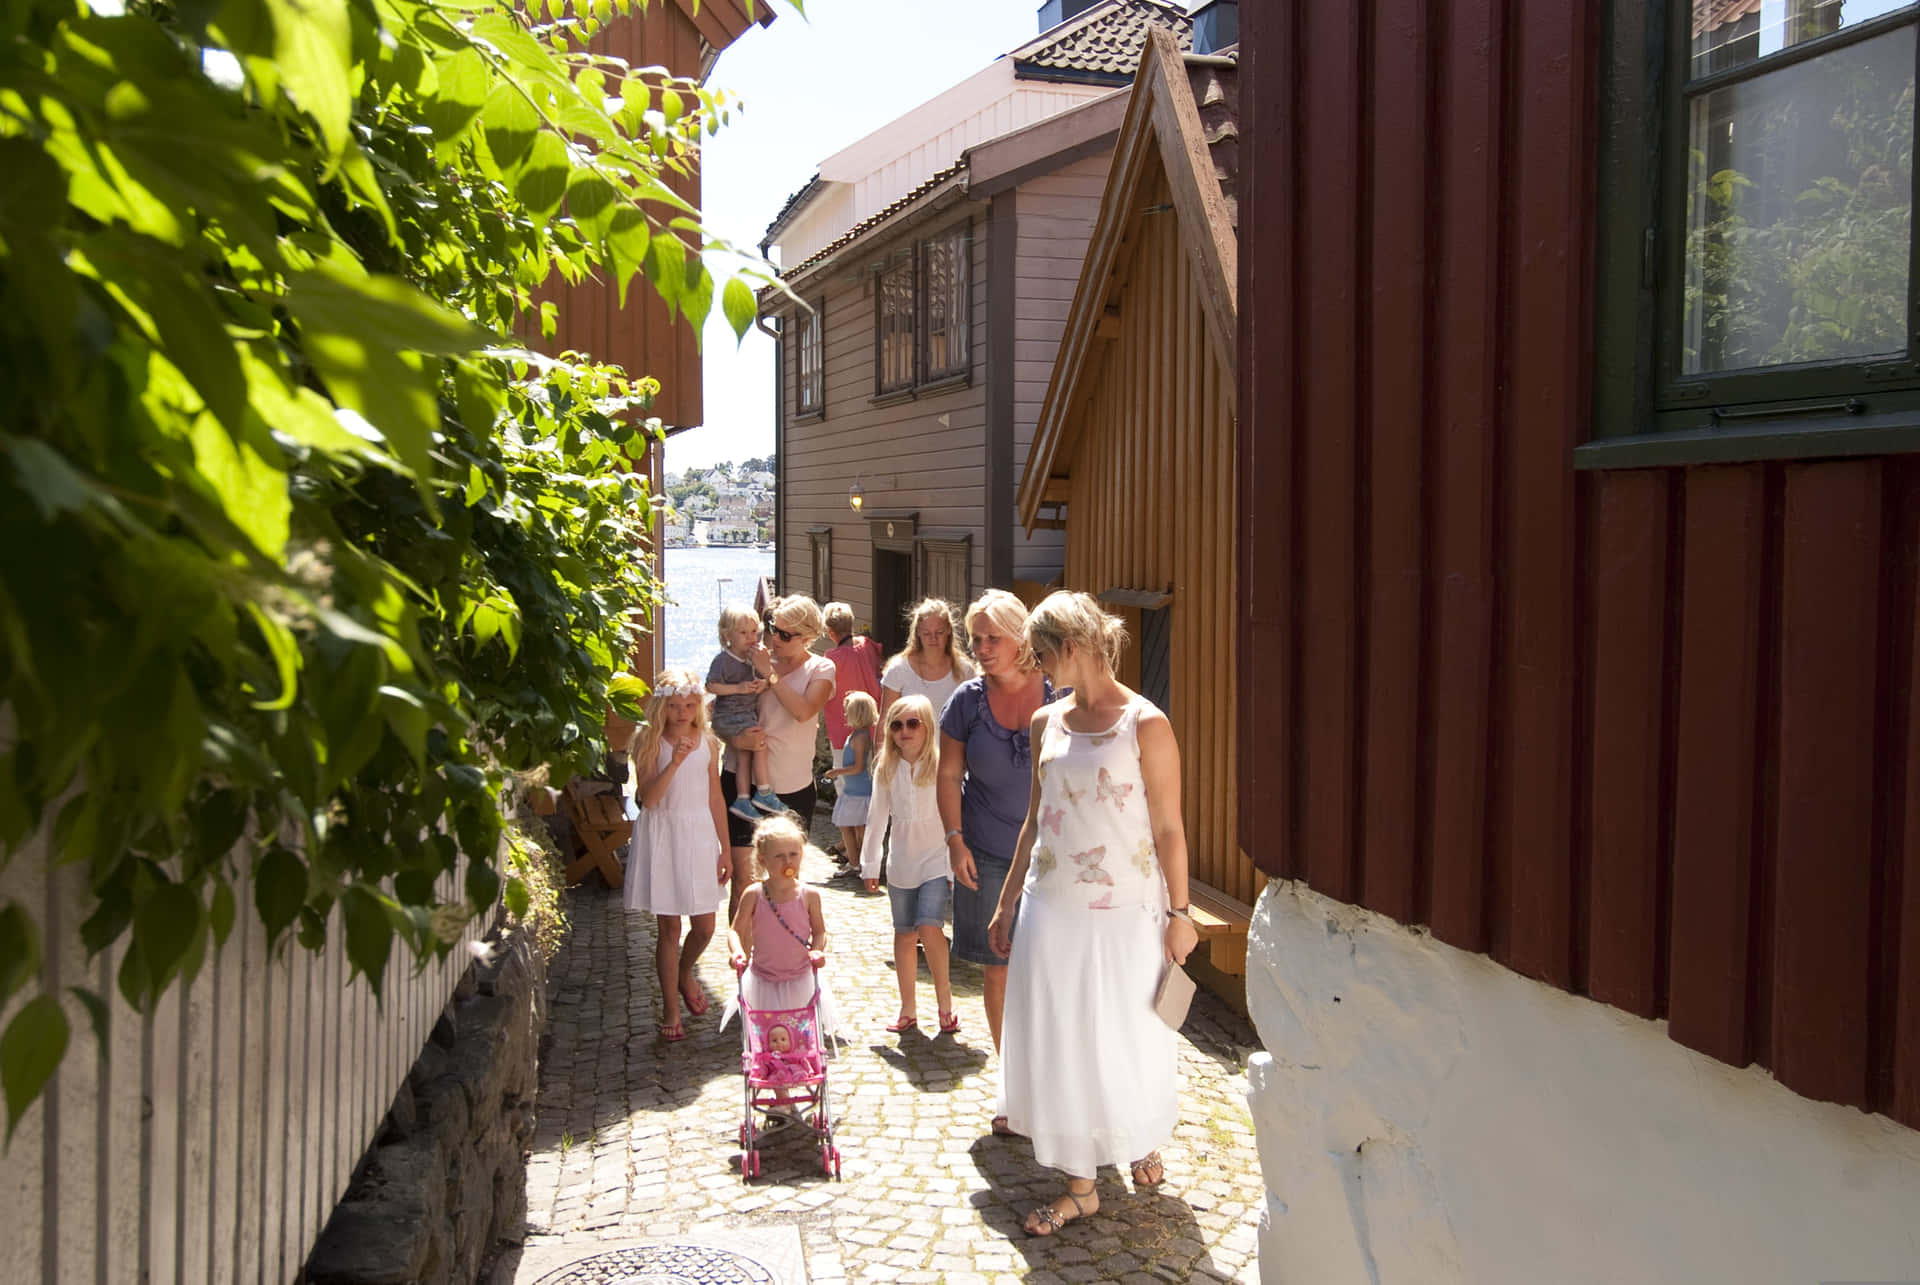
[799, 615]
[1009, 615]
[839, 618]
[1065, 618]
[927, 767]
[779, 826]
[925, 608]
[733, 617]
[861, 710]
[669, 683]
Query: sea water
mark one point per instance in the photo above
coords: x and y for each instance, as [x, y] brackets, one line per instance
[699, 580]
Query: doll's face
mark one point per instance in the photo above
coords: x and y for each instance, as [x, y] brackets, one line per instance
[779, 1039]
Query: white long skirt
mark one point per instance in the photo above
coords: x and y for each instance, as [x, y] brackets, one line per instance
[1087, 1069]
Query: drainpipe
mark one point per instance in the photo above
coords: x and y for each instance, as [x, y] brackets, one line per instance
[779, 440]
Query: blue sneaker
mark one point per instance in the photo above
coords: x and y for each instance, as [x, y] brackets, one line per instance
[744, 810]
[767, 801]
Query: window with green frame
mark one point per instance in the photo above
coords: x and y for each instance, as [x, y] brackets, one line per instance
[1755, 283]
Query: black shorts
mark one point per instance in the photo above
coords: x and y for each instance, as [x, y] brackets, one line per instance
[740, 830]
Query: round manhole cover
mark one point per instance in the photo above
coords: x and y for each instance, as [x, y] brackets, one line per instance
[662, 1265]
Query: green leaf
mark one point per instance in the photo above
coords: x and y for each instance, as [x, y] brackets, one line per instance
[286, 657]
[54, 486]
[313, 55]
[251, 491]
[407, 715]
[517, 898]
[628, 237]
[737, 301]
[369, 933]
[220, 911]
[279, 889]
[483, 883]
[543, 180]
[166, 925]
[461, 94]
[510, 123]
[590, 200]
[19, 950]
[35, 1041]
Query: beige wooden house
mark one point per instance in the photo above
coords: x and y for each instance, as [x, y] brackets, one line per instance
[935, 262]
[1133, 457]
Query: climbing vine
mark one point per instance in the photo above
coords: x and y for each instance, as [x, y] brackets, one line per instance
[301, 553]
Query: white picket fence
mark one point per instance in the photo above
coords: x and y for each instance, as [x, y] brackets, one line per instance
[207, 1141]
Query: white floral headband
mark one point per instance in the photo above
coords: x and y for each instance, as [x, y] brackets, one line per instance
[680, 689]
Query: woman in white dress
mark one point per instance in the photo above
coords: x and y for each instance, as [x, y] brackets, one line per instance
[932, 664]
[1087, 1069]
[677, 862]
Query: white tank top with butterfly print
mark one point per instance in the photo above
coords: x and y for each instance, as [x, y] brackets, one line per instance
[1095, 843]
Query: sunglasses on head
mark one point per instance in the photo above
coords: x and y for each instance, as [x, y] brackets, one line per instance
[776, 630]
[910, 724]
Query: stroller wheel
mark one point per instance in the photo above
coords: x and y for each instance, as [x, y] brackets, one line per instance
[750, 1165]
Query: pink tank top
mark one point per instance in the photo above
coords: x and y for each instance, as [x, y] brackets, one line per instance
[780, 938]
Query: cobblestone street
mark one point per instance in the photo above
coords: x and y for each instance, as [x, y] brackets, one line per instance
[636, 1137]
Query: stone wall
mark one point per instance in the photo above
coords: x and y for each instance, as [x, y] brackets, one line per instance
[445, 1180]
[1427, 1117]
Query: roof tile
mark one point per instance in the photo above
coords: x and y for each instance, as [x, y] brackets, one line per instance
[1104, 42]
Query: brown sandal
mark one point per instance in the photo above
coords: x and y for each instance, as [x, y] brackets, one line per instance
[1149, 1165]
[1047, 1219]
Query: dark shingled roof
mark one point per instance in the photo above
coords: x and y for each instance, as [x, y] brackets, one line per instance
[1103, 44]
[794, 202]
[956, 170]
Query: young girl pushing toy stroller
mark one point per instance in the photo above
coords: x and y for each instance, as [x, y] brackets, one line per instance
[779, 945]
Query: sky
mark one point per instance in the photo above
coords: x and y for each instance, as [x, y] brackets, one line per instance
[807, 88]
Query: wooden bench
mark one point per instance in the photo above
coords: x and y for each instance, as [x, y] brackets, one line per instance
[1223, 923]
[597, 811]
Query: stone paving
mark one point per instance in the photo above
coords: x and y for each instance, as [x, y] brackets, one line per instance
[636, 1137]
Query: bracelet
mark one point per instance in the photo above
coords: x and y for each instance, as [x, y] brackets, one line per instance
[949, 835]
[1182, 911]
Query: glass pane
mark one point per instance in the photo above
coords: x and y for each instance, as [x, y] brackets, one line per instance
[1799, 196]
[1728, 33]
[896, 326]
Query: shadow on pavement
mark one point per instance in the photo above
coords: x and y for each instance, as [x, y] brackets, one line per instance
[1131, 1231]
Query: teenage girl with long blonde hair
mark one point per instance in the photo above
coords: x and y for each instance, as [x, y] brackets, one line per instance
[678, 863]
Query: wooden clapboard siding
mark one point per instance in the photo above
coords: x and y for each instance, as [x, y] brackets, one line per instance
[1153, 509]
[1652, 736]
[903, 456]
[640, 335]
[1055, 215]
[209, 1140]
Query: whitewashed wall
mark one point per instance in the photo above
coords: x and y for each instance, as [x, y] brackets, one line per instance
[209, 1140]
[1426, 1117]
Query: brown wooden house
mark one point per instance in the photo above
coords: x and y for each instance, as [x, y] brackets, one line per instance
[1579, 528]
[1134, 454]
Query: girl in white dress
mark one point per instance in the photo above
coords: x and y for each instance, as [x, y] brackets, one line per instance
[1087, 1069]
[677, 863]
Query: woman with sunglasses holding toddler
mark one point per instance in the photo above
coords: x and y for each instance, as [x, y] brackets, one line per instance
[799, 685]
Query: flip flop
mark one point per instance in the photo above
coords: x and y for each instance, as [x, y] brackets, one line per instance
[903, 1023]
[697, 1001]
[675, 1033]
[949, 1023]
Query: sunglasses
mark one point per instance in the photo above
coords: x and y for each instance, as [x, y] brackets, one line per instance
[776, 630]
[909, 724]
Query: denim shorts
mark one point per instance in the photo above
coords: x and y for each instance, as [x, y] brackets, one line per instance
[926, 904]
[973, 911]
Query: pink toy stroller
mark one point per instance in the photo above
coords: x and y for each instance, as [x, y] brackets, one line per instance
[785, 1067]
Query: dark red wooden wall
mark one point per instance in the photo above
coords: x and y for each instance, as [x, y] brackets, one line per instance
[640, 336]
[1652, 736]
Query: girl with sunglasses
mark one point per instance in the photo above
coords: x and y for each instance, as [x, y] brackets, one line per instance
[906, 796]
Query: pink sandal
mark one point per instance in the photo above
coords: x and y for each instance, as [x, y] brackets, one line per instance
[949, 1023]
[903, 1023]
